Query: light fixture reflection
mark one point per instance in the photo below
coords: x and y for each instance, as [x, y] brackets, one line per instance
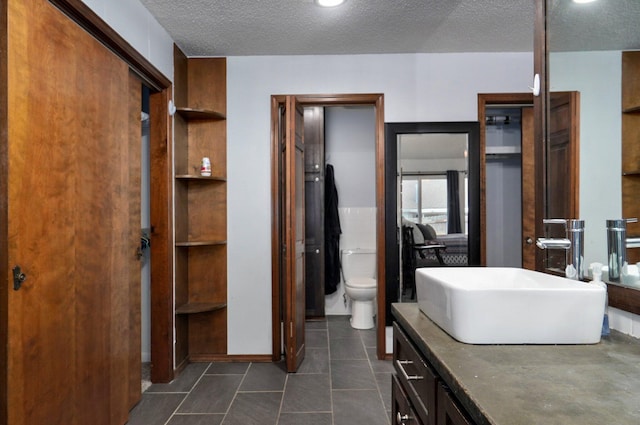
[329, 3]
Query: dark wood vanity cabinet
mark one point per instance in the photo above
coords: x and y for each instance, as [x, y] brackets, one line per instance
[419, 395]
[449, 411]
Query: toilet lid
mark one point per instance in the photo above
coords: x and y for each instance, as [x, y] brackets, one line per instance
[362, 282]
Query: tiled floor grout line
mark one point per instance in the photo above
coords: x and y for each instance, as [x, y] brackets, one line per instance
[235, 395]
[187, 394]
[284, 391]
[329, 371]
[373, 372]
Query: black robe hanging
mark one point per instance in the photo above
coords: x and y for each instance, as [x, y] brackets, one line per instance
[332, 233]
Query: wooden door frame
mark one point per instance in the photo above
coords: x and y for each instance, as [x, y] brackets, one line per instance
[484, 100]
[377, 101]
[161, 163]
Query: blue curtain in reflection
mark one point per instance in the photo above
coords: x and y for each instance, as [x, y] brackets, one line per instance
[453, 203]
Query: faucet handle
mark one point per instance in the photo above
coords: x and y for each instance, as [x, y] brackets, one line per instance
[562, 221]
[554, 220]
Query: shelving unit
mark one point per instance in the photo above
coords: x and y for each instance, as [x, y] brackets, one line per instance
[631, 145]
[200, 209]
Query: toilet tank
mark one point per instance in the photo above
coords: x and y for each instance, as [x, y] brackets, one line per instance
[358, 262]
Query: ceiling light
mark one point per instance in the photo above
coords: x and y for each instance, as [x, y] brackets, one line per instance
[329, 3]
[583, 1]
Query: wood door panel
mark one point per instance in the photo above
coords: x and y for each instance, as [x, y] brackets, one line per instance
[294, 281]
[528, 192]
[70, 221]
[314, 210]
[134, 330]
[562, 172]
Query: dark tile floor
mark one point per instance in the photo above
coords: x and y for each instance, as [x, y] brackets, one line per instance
[339, 382]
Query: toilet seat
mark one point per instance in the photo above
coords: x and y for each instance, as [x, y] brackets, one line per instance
[362, 282]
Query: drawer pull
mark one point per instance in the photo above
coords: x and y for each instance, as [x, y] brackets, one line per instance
[408, 377]
[400, 418]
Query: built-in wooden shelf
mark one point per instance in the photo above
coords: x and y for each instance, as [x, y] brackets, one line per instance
[200, 243]
[200, 208]
[199, 177]
[194, 308]
[624, 298]
[194, 114]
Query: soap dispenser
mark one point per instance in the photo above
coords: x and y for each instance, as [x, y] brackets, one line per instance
[596, 273]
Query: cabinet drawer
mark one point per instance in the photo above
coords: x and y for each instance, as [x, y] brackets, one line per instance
[401, 412]
[449, 413]
[417, 378]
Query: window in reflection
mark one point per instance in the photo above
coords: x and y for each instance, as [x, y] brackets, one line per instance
[424, 201]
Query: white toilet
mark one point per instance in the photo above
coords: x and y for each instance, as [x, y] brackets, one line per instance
[359, 272]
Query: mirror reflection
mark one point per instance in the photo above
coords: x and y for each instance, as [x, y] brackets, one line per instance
[586, 44]
[427, 173]
[434, 206]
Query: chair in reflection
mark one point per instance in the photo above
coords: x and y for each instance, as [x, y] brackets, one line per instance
[425, 253]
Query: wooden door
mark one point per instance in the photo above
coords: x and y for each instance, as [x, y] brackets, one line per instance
[528, 191]
[132, 305]
[72, 190]
[562, 172]
[294, 235]
[314, 210]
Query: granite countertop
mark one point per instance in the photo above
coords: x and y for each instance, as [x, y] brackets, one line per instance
[533, 384]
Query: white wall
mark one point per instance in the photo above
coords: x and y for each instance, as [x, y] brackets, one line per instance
[350, 141]
[134, 23]
[597, 76]
[424, 87]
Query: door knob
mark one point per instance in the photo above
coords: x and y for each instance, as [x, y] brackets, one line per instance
[400, 418]
[18, 278]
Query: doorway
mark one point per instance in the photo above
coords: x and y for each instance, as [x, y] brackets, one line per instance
[279, 302]
[507, 179]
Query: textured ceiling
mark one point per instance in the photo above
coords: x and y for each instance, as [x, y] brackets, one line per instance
[298, 27]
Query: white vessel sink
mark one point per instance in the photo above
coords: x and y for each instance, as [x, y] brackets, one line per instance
[494, 305]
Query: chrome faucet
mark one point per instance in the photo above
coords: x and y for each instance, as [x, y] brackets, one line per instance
[573, 243]
[617, 247]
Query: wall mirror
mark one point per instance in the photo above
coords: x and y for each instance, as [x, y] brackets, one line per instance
[585, 44]
[432, 202]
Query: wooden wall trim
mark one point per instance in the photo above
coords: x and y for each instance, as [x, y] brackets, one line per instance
[4, 220]
[276, 306]
[161, 216]
[80, 13]
[339, 99]
[381, 218]
[540, 112]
